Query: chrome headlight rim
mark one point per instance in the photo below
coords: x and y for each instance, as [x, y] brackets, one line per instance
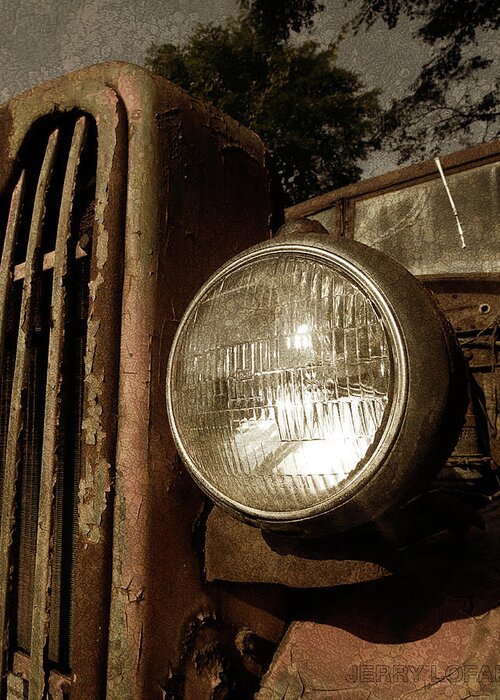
[319, 249]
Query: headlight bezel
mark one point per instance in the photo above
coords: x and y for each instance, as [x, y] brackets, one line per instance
[357, 500]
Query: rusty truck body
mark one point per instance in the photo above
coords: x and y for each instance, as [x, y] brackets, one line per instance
[120, 195]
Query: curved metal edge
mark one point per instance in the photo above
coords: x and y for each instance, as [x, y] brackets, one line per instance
[318, 247]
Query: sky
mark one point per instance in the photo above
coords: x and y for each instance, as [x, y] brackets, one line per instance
[40, 40]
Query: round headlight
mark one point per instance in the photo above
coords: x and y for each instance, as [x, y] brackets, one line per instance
[290, 380]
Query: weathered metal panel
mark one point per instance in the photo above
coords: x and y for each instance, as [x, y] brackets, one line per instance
[416, 224]
[396, 180]
[433, 632]
[101, 376]
[179, 189]
[43, 561]
[197, 193]
[89, 93]
[247, 555]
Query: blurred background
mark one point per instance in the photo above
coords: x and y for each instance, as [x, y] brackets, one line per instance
[337, 89]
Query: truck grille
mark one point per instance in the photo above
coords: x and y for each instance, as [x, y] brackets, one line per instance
[46, 225]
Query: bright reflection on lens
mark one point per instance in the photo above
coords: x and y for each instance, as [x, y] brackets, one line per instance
[280, 382]
[302, 339]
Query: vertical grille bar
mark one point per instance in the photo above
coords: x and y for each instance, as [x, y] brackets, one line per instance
[8, 255]
[5, 285]
[43, 561]
[16, 418]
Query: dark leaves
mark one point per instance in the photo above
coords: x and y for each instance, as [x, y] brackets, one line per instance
[275, 20]
[449, 98]
[316, 119]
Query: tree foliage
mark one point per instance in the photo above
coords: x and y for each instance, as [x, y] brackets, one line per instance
[315, 118]
[274, 21]
[451, 97]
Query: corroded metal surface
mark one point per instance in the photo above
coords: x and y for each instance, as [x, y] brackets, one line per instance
[43, 561]
[88, 92]
[434, 633]
[197, 193]
[247, 555]
[179, 189]
[396, 179]
[473, 308]
[92, 564]
[319, 662]
[468, 303]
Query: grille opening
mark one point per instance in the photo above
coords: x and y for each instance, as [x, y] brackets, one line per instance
[68, 451]
[31, 156]
[7, 373]
[69, 469]
[28, 480]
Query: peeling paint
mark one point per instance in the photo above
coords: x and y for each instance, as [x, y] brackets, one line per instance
[96, 482]
[92, 424]
[102, 249]
[157, 151]
[92, 494]
[93, 288]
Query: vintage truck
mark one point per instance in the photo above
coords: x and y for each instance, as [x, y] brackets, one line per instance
[119, 578]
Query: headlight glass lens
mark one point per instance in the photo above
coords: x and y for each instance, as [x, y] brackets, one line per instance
[280, 382]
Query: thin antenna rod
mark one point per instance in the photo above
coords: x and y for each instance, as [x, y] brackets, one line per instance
[454, 209]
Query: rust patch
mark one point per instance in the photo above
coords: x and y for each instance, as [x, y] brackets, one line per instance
[218, 662]
[431, 634]
[102, 249]
[92, 500]
[88, 92]
[91, 425]
[96, 483]
[319, 662]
